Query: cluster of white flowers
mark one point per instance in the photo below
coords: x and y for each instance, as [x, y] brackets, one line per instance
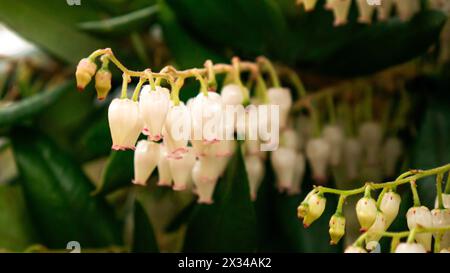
[367, 8]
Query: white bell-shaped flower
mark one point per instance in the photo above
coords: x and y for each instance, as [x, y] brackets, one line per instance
[181, 169]
[318, 154]
[283, 162]
[124, 123]
[392, 150]
[355, 249]
[146, 157]
[371, 136]
[255, 173]
[445, 201]
[366, 212]
[390, 204]
[340, 9]
[352, 156]
[283, 98]
[410, 248]
[335, 137]
[204, 185]
[308, 4]
[441, 218]
[384, 9]
[290, 139]
[304, 127]
[153, 108]
[206, 114]
[164, 174]
[374, 233]
[420, 217]
[232, 94]
[407, 9]
[177, 130]
[365, 11]
[299, 172]
[225, 148]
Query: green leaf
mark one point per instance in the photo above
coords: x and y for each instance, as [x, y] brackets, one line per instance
[123, 23]
[181, 218]
[58, 195]
[16, 229]
[187, 51]
[118, 172]
[29, 107]
[229, 224]
[51, 25]
[144, 240]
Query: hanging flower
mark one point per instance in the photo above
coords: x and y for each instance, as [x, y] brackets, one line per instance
[441, 218]
[407, 9]
[374, 233]
[384, 10]
[303, 125]
[177, 129]
[255, 173]
[340, 10]
[204, 185]
[352, 156]
[206, 114]
[318, 154]
[153, 108]
[337, 228]
[232, 94]
[85, 71]
[146, 157]
[283, 162]
[124, 123]
[370, 136]
[164, 173]
[366, 212]
[103, 83]
[299, 172]
[316, 206]
[365, 11]
[420, 217]
[390, 204]
[283, 98]
[181, 169]
[290, 139]
[335, 137]
[410, 248]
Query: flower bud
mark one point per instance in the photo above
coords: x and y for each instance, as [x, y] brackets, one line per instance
[420, 217]
[146, 157]
[392, 150]
[374, 233]
[283, 98]
[302, 210]
[299, 172]
[181, 169]
[283, 162]
[370, 136]
[103, 83]
[255, 173]
[366, 212]
[365, 11]
[204, 185]
[340, 11]
[410, 248]
[153, 107]
[316, 206]
[384, 10]
[232, 94]
[85, 71]
[355, 249]
[309, 4]
[335, 138]
[164, 174]
[337, 228]
[124, 123]
[352, 156]
[441, 218]
[390, 204]
[318, 154]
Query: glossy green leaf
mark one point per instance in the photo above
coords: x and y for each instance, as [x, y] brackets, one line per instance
[51, 25]
[58, 195]
[31, 106]
[144, 240]
[229, 224]
[123, 23]
[187, 51]
[181, 218]
[16, 230]
[118, 172]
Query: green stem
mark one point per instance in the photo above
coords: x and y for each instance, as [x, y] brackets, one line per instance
[236, 71]
[137, 90]
[298, 84]
[367, 190]
[261, 89]
[447, 186]
[380, 197]
[176, 86]
[212, 83]
[331, 108]
[412, 236]
[415, 193]
[340, 204]
[437, 243]
[268, 66]
[394, 243]
[125, 79]
[439, 178]
[203, 83]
